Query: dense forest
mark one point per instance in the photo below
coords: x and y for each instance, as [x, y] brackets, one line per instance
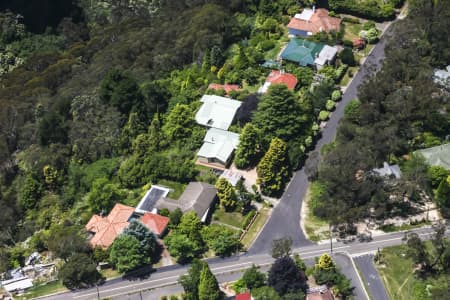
[398, 111]
[97, 100]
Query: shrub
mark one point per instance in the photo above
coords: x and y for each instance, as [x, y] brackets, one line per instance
[248, 218]
[336, 95]
[347, 57]
[323, 115]
[348, 43]
[368, 25]
[330, 105]
[350, 20]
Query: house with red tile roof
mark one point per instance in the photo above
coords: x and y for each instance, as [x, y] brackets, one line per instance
[319, 293]
[226, 87]
[106, 229]
[244, 296]
[312, 21]
[155, 223]
[279, 77]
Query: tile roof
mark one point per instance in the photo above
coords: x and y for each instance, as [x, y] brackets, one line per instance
[106, 229]
[319, 293]
[217, 112]
[243, 296]
[318, 21]
[226, 87]
[156, 223]
[280, 77]
[302, 51]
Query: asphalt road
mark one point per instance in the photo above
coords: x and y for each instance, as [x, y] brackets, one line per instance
[285, 218]
[371, 276]
[347, 268]
[164, 280]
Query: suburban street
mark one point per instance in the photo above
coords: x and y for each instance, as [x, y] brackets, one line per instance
[165, 278]
[371, 276]
[285, 218]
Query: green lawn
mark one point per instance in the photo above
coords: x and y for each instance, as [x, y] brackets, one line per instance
[256, 227]
[397, 274]
[110, 273]
[231, 218]
[42, 290]
[351, 30]
[393, 228]
[346, 79]
[176, 188]
[316, 228]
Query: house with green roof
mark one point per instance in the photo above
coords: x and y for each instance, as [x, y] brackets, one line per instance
[437, 156]
[302, 51]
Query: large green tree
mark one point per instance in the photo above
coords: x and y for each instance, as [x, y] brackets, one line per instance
[253, 278]
[104, 195]
[79, 272]
[146, 238]
[249, 149]
[191, 280]
[279, 114]
[273, 169]
[127, 253]
[285, 276]
[179, 122]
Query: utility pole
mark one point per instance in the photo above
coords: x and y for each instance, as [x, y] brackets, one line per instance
[98, 292]
[331, 238]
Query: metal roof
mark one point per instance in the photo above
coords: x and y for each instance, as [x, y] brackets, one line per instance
[219, 144]
[437, 156]
[217, 111]
[148, 202]
[302, 51]
[326, 54]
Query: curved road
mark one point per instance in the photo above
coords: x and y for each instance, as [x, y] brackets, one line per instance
[285, 218]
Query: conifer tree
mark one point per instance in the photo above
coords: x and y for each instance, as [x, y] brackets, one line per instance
[226, 194]
[248, 151]
[208, 288]
[273, 169]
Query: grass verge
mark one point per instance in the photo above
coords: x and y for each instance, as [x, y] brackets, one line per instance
[316, 228]
[393, 228]
[256, 227]
[43, 289]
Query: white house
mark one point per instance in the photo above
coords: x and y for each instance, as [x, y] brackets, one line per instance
[218, 147]
[326, 56]
[217, 112]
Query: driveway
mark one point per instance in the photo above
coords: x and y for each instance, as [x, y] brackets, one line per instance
[371, 277]
[285, 218]
[347, 268]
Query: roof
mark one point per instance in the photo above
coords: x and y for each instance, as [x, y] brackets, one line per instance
[155, 223]
[231, 176]
[17, 284]
[243, 296]
[388, 170]
[314, 21]
[359, 42]
[217, 112]
[279, 77]
[106, 229]
[226, 87]
[319, 293]
[149, 200]
[197, 196]
[219, 144]
[442, 77]
[302, 51]
[437, 156]
[327, 54]
[271, 64]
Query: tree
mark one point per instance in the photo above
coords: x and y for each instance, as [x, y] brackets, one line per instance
[122, 91]
[182, 247]
[52, 129]
[191, 226]
[417, 251]
[279, 114]
[79, 272]
[443, 196]
[208, 288]
[436, 174]
[30, 193]
[226, 194]
[325, 262]
[127, 254]
[285, 277]
[104, 195]
[273, 169]
[65, 241]
[249, 149]
[175, 218]
[130, 131]
[179, 123]
[191, 280]
[299, 262]
[265, 293]
[253, 278]
[146, 238]
[281, 247]
[222, 240]
[347, 57]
